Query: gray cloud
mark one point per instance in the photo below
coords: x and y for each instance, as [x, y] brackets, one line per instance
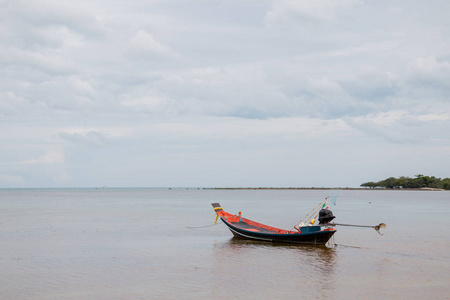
[222, 88]
[90, 138]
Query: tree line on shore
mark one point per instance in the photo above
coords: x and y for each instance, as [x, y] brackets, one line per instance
[420, 181]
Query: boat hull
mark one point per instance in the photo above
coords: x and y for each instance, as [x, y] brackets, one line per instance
[248, 229]
[320, 237]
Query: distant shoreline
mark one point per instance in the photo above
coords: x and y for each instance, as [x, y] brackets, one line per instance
[226, 188]
[321, 188]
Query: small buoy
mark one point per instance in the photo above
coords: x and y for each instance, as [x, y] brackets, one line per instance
[370, 202]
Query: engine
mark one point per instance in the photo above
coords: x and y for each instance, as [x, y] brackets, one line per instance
[325, 216]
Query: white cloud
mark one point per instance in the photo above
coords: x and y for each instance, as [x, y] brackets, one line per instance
[10, 103]
[304, 11]
[145, 104]
[428, 73]
[51, 157]
[90, 138]
[404, 128]
[144, 44]
[12, 57]
[8, 180]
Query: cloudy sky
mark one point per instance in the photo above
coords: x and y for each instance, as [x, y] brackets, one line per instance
[207, 93]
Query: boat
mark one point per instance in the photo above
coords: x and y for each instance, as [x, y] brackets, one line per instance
[301, 234]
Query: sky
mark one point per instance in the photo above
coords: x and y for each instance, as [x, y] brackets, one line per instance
[257, 93]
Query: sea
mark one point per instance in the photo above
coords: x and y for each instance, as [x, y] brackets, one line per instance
[131, 243]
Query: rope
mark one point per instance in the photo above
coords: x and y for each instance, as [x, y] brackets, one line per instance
[349, 246]
[203, 226]
[331, 242]
[312, 212]
[315, 208]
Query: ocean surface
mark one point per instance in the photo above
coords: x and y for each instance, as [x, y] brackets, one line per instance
[159, 244]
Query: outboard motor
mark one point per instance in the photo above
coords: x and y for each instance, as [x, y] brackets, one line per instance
[325, 216]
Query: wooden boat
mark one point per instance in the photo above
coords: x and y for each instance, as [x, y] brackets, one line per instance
[248, 229]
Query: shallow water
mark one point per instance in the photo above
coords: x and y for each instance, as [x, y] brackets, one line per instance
[139, 244]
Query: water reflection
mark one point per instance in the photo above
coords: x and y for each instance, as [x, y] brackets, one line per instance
[273, 270]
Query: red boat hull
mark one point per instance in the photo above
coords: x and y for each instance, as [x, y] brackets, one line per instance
[247, 229]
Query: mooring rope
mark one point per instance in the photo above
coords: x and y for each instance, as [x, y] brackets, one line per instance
[331, 242]
[203, 226]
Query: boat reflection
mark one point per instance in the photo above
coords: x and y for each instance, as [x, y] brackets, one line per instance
[258, 268]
